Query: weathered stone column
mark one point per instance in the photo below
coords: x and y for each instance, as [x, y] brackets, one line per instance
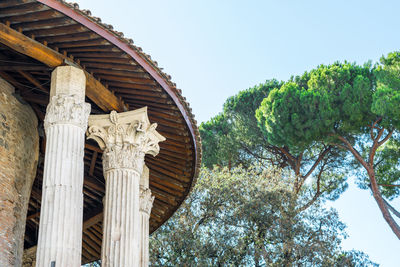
[146, 203]
[125, 138]
[60, 229]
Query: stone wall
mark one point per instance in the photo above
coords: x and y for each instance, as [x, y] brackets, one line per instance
[19, 150]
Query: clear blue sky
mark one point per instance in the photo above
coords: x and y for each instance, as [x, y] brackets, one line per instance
[213, 49]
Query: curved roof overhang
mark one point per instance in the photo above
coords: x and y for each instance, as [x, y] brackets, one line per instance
[84, 20]
[121, 77]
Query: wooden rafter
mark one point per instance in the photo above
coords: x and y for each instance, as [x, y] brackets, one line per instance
[33, 81]
[79, 39]
[95, 90]
[92, 163]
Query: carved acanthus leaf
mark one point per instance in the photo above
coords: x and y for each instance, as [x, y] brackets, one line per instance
[69, 109]
[146, 200]
[125, 138]
[123, 157]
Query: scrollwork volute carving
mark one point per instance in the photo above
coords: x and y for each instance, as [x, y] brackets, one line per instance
[146, 200]
[69, 109]
[125, 138]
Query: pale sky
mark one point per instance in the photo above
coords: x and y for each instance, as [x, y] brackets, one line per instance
[213, 49]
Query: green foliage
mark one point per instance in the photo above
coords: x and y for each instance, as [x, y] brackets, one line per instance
[386, 99]
[347, 106]
[387, 171]
[285, 111]
[217, 143]
[353, 258]
[311, 125]
[385, 104]
[247, 217]
[239, 109]
[308, 109]
[233, 137]
[339, 100]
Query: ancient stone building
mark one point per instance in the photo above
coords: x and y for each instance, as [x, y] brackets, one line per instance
[98, 147]
[19, 151]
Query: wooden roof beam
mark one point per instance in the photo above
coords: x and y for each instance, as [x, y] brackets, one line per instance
[95, 90]
[4, 4]
[61, 30]
[22, 9]
[35, 82]
[34, 16]
[42, 24]
[97, 217]
[22, 67]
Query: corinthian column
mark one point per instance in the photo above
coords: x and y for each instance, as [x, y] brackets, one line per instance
[125, 138]
[146, 203]
[65, 123]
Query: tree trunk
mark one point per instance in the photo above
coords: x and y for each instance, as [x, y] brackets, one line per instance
[288, 244]
[369, 167]
[381, 204]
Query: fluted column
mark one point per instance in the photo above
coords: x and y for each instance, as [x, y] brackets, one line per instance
[60, 229]
[146, 203]
[125, 138]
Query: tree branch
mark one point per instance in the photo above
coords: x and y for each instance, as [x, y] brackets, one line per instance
[201, 221]
[386, 138]
[339, 145]
[317, 193]
[389, 184]
[298, 163]
[354, 151]
[391, 208]
[374, 127]
[311, 170]
[369, 167]
[258, 158]
[289, 156]
[383, 205]
[374, 147]
[376, 164]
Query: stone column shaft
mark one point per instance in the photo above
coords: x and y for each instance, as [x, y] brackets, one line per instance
[144, 244]
[120, 244]
[125, 138]
[146, 203]
[60, 228]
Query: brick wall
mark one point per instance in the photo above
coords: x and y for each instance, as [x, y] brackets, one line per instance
[19, 148]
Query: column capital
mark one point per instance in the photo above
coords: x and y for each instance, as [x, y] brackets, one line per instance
[125, 138]
[68, 109]
[67, 98]
[146, 200]
[62, 199]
